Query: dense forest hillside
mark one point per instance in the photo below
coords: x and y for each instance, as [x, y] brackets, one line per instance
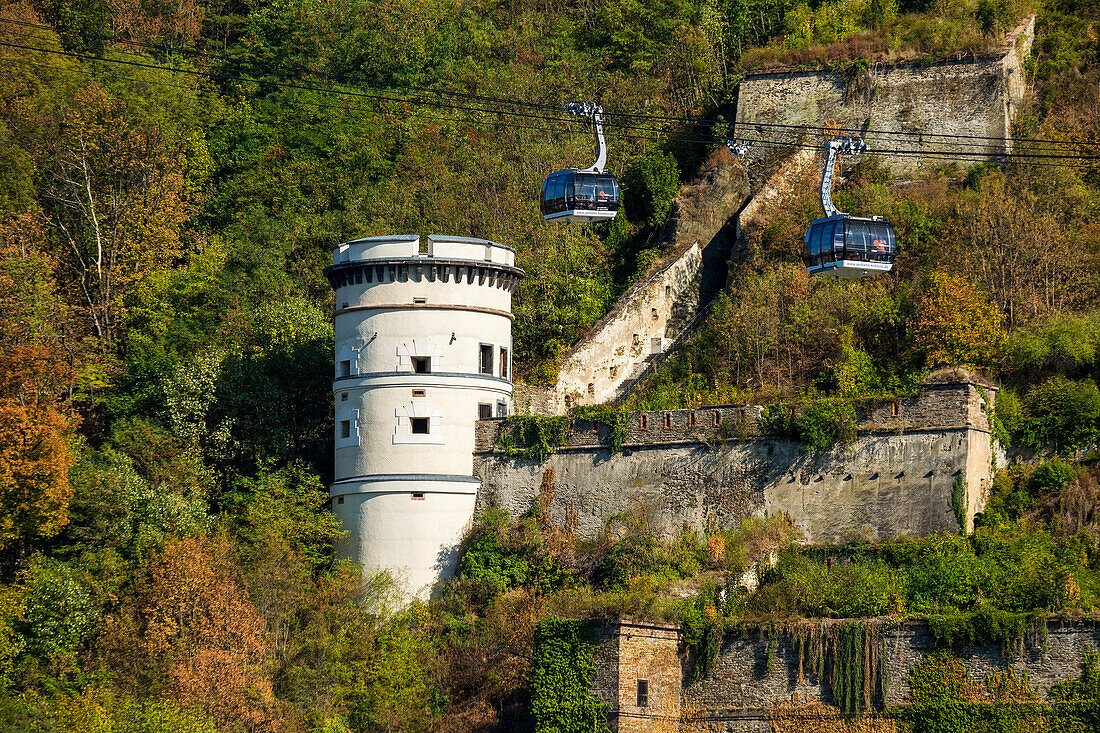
[172, 176]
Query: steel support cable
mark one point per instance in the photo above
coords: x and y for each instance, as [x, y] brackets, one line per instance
[269, 67]
[663, 131]
[552, 130]
[697, 122]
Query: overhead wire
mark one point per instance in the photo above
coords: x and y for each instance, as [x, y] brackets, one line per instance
[610, 116]
[626, 131]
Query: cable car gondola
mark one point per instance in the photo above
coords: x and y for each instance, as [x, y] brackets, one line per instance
[585, 195]
[840, 245]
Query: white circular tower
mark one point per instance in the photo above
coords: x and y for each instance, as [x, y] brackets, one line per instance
[423, 351]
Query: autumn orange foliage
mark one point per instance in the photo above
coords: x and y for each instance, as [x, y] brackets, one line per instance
[200, 624]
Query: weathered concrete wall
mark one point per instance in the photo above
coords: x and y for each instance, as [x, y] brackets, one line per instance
[653, 312]
[738, 693]
[973, 97]
[711, 467]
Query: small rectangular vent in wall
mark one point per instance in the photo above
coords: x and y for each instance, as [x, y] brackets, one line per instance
[420, 393]
[340, 500]
[343, 396]
[420, 301]
[418, 496]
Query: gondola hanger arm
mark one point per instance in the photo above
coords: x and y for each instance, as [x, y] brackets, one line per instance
[595, 113]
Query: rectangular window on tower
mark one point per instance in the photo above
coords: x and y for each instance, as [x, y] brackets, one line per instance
[422, 364]
[345, 368]
[484, 411]
[502, 409]
[486, 361]
[643, 693]
[503, 362]
[419, 425]
[345, 428]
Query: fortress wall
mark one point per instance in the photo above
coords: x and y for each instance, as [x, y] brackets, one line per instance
[739, 692]
[711, 467]
[973, 96]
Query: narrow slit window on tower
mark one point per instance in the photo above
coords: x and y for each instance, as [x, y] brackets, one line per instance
[691, 419]
[345, 368]
[895, 409]
[643, 693]
[422, 364]
[653, 312]
[345, 428]
[484, 411]
[419, 425]
[643, 421]
[717, 418]
[486, 362]
[503, 362]
[668, 291]
[343, 396]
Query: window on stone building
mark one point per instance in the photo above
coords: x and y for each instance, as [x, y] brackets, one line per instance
[643, 420]
[422, 364]
[717, 418]
[668, 291]
[484, 411]
[668, 420]
[691, 419]
[486, 363]
[643, 693]
[419, 425]
[895, 409]
[653, 312]
[612, 371]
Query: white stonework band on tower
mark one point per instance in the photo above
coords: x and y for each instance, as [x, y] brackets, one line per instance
[423, 351]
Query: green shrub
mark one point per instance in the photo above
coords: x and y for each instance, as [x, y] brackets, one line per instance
[561, 672]
[1062, 414]
[651, 185]
[825, 423]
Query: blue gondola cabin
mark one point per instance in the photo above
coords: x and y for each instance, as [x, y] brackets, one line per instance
[849, 246]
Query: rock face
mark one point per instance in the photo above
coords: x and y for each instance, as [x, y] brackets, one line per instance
[710, 467]
[945, 106]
